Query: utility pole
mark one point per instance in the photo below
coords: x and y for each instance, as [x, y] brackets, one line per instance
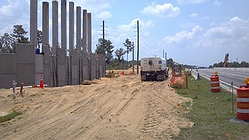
[163, 54]
[133, 57]
[137, 46]
[104, 37]
[104, 45]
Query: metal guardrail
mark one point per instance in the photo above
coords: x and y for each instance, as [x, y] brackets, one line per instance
[223, 84]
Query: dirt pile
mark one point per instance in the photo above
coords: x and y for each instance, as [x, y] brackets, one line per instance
[111, 108]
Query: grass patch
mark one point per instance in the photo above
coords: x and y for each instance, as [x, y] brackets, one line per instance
[211, 114]
[9, 117]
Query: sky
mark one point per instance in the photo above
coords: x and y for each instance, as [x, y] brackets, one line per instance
[193, 32]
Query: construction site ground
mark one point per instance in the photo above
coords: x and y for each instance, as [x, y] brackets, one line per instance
[117, 108]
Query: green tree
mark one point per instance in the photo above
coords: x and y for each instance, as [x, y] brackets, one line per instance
[7, 43]
[128, 46]
[105, 47]
[244, 64]
[119, 53]
[19, 33]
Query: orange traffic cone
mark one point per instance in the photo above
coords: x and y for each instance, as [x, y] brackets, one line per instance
[41, 82]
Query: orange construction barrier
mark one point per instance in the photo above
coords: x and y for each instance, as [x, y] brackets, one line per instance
[215, 84]
[243, 102]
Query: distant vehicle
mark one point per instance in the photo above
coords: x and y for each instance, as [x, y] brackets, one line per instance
[153, 68]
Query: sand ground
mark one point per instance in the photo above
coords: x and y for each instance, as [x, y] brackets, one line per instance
[118, 108]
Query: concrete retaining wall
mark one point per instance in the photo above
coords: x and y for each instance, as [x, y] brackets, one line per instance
[25, 64]
[7, 70]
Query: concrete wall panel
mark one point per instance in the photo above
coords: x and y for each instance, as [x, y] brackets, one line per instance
[85, 73]
[8, 63]
[101, 65]
[93, 66]
[39, 64]
[75, 75]
[25, 64]
[6, 80]
[62, 81]
[25, 53]
[101, 71]
[62, 69]
[25, 73]
[7, 70]
[75, 68]
[46, 65]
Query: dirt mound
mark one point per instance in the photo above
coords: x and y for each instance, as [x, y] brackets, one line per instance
[114, 108]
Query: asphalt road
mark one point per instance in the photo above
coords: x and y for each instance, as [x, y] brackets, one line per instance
[227, 75]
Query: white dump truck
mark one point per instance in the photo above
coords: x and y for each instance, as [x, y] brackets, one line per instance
[153, 68]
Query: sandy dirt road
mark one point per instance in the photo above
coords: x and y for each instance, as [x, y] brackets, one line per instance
[111, 109]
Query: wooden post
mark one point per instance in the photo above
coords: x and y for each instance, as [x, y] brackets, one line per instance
[21, 89]
[14, 89]
[232, 98]
[186, 79]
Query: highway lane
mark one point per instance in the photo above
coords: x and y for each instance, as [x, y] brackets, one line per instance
[227, 75]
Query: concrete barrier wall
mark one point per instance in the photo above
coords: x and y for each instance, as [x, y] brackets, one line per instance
[101, 63]
[85, 65]
[25, 64]
[62, 67]
[7, 70]
[46, 65]
[26, 67]
[93, 66]
[75, 68]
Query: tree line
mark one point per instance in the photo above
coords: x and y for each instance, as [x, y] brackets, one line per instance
[242, 64]
[8, 41]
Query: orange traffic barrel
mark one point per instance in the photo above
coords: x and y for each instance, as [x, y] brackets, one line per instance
[243, 102]
[215, 84]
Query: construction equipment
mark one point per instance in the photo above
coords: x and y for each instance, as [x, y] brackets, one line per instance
[153, 68]
[226, 60]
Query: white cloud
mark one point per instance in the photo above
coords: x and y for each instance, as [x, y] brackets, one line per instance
[183, 36]
[14, 12]
[217, 3]
[130, 27]
[94, 6]
[164, 10]
[193, 15]
[104, 15]
[191, 1]
[230, 34]
[236, 19]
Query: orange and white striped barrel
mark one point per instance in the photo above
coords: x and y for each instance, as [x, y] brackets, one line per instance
[215, 83]
[243, 102]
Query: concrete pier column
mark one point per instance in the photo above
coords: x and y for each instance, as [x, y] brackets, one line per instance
[63, 24]
[89, 19]
[55, 42]
[71, 41]
[45, 24]
[54, 25]
[78, 42]
[33, 22]
[71, 26]
[45, 44]
[84, 29]
[78, 28]
[89, 44]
